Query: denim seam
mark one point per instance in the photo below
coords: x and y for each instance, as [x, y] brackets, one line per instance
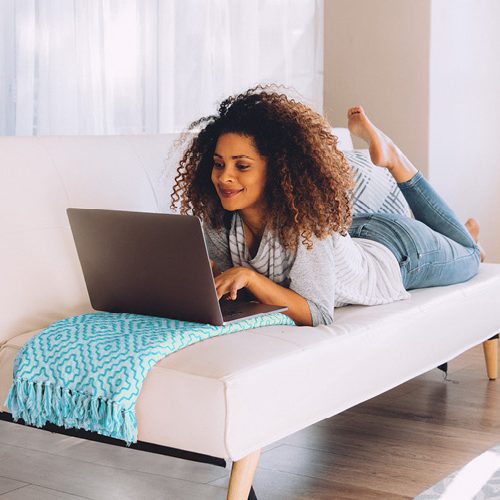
[447, 262]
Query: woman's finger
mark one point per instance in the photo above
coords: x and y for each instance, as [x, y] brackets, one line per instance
[228, 283]
[221, 289]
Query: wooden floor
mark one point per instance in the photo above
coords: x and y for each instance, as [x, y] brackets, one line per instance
[392, 447]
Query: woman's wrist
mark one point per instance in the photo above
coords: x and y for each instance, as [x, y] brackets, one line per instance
[251, 276]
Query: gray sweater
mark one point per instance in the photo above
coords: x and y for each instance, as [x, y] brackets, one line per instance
[337, 271]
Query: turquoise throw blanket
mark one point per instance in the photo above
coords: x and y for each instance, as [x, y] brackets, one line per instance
[87, 371]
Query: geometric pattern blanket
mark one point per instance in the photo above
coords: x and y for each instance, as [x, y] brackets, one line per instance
[87, 371]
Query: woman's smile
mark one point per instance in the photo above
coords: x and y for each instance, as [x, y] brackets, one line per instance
[229, 193]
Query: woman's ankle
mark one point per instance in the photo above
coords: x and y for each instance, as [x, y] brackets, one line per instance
[403, 169]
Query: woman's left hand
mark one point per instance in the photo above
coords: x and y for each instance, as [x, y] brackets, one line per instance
[232, 280]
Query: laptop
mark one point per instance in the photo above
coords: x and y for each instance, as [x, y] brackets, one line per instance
[152, 264]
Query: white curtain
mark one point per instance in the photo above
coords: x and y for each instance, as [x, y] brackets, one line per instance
[148, 66]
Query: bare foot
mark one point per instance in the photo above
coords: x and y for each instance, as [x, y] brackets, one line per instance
[473, 227]
[383, 152]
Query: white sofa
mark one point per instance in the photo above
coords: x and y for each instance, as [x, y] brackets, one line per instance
[229, 396]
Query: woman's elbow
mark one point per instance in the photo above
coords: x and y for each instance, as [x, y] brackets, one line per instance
[312, 315]
[322, 317]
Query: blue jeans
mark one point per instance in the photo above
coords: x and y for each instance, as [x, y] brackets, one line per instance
[433, 249]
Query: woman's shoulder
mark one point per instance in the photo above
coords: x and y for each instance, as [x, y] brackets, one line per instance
[321, 248]
[331, 249]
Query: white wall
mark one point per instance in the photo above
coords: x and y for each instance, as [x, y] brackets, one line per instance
[376, 55]
[464, 131]
[428, 74]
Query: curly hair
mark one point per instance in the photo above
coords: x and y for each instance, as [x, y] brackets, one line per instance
[310, 186]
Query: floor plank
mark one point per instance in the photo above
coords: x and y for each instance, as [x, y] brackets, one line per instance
[107, 455]
[30, 492]
[278, 485]
[7, 484]
[96, 481]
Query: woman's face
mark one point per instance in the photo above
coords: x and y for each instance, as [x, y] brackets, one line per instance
[239, 173]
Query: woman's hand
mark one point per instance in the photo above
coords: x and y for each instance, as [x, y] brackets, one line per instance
[264, 290]
[232, 280]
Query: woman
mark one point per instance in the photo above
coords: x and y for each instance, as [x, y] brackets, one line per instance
[274, 194]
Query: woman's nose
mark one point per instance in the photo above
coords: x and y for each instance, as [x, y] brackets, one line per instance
[226, 175]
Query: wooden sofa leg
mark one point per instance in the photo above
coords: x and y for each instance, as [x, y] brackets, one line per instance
[490, 348]
[242, 474]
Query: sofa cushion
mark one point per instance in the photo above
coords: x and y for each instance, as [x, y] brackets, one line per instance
[376, 190]
[229, 395]
[41, 276]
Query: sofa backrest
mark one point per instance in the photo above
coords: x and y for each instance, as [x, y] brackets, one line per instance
[40, 275]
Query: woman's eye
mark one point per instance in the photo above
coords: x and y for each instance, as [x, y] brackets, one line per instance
[218, 165]
[243, 167]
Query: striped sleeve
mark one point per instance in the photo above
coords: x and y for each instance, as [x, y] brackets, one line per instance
[312, 275]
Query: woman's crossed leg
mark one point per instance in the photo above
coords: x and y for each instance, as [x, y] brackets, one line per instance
[433, 249]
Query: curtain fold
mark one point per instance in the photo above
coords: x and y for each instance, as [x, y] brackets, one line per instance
[148, 66]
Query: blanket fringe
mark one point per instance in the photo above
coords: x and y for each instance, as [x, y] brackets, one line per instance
[40, 402]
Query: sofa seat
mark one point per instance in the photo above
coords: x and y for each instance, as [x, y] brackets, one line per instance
[228, 395]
